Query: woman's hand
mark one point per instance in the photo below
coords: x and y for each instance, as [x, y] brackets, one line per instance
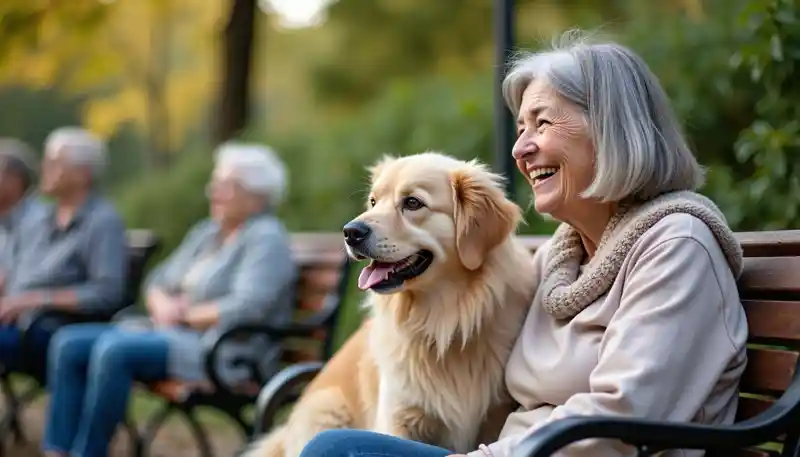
[166, 310]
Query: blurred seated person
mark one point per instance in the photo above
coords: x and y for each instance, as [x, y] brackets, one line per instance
[17, 176]
[68, 255]
[233, 268]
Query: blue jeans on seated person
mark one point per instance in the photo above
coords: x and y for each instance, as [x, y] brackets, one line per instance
[11, 356]
[362, 443]
[91, 369]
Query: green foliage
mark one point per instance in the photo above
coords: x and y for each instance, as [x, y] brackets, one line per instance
[770, 146]
[328, 167]
[168, 202]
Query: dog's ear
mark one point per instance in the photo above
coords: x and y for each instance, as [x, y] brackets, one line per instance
[484, 217]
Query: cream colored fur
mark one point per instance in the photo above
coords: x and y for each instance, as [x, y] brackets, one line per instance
[429, 364]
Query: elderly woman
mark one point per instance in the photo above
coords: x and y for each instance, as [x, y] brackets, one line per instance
[636, 311]
[231, 269]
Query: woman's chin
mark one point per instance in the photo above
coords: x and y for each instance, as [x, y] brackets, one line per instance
[545, 204]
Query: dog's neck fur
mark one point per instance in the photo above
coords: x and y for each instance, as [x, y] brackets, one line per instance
[439, 327]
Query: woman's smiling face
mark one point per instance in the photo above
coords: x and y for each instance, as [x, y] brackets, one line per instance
[553, 150]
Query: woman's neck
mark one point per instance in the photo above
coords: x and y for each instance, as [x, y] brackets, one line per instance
[591, 223]
[228, 229]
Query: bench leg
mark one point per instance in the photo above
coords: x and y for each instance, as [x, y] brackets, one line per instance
[197, 430]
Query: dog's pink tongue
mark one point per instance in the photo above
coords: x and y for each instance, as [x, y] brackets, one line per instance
[373, 274]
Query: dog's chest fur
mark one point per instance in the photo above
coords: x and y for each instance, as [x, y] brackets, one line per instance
[450, 384]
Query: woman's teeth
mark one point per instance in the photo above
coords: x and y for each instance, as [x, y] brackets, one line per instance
[540, 174]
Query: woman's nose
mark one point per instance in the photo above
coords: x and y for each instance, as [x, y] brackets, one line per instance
[524, 148]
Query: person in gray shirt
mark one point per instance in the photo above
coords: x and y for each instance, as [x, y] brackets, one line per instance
[17, 178]
[69, 255]
[235, 267]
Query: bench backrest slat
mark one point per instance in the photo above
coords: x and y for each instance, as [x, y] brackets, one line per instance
[319, 257]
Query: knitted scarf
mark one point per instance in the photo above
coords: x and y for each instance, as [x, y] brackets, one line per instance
[566, 294]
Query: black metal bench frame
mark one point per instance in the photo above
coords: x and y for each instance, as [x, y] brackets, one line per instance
[227, 399]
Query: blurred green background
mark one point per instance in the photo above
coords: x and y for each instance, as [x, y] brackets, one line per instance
[332, 85]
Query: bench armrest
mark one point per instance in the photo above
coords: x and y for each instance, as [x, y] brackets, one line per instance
[280, 390]
[653, 436]
[212, 346]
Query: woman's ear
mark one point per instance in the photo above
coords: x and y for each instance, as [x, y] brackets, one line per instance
[483, 216]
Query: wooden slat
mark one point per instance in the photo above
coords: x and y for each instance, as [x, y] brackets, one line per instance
[751, 407]
[780, 243]
[768, 370]
[316, 283]
[533, 242]
[770, 274]
[773, 319]
[751, 453]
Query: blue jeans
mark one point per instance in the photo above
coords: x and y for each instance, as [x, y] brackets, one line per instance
[361, 443]
[91, 369]
[11, 356]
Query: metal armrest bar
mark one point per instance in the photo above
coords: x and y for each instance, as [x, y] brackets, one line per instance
[213, 345]
[783, 415]
[280, 385]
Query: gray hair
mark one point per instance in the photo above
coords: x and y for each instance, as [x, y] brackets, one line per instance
[80, 146]
[258, 169]
[640, 146]
[18, 157]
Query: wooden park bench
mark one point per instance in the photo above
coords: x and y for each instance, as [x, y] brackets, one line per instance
[142, 244]
[768, 419]
[324, 272]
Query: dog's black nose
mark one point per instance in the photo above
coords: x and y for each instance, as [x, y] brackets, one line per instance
[355, 232]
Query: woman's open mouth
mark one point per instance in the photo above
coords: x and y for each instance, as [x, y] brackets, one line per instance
[540, 175]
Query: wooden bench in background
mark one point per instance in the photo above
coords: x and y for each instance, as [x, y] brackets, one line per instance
[770, 290]
[321, 288]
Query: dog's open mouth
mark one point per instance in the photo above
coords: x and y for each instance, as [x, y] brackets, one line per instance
[384, 277]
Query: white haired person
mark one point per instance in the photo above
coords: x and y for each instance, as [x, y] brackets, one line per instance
[233, 268]
[636, 312]
[70, 254]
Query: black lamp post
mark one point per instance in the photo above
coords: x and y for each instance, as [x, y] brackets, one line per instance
[503, 120]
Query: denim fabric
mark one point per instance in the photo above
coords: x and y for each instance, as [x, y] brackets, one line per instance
[11, 345]
[91, 368]
[361, 443]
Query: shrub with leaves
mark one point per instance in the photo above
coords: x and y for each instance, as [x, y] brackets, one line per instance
[770, 146]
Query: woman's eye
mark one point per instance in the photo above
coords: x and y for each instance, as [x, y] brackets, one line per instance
[542, 122]
[371, 201]
[412, 203]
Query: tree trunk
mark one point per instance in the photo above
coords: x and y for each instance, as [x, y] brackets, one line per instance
[234, 92]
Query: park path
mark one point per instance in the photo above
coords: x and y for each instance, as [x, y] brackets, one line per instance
[174, 439]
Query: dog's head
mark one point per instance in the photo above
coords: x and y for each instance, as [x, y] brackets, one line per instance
[428, 216]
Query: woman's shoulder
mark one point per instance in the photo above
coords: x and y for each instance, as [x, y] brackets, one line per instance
[266, 226]
[677, 227]
[680, 234]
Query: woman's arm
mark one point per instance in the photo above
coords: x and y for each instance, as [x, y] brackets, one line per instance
[665, 349]
[266, 270]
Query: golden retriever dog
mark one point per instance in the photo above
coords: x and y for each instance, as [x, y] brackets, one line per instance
[448, 289]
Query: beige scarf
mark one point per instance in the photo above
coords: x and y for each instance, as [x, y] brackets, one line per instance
[565, 294]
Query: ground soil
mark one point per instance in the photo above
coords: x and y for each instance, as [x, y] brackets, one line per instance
[173, 440]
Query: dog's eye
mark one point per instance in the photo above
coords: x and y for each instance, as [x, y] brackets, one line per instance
[371, 201]
[412, 203]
